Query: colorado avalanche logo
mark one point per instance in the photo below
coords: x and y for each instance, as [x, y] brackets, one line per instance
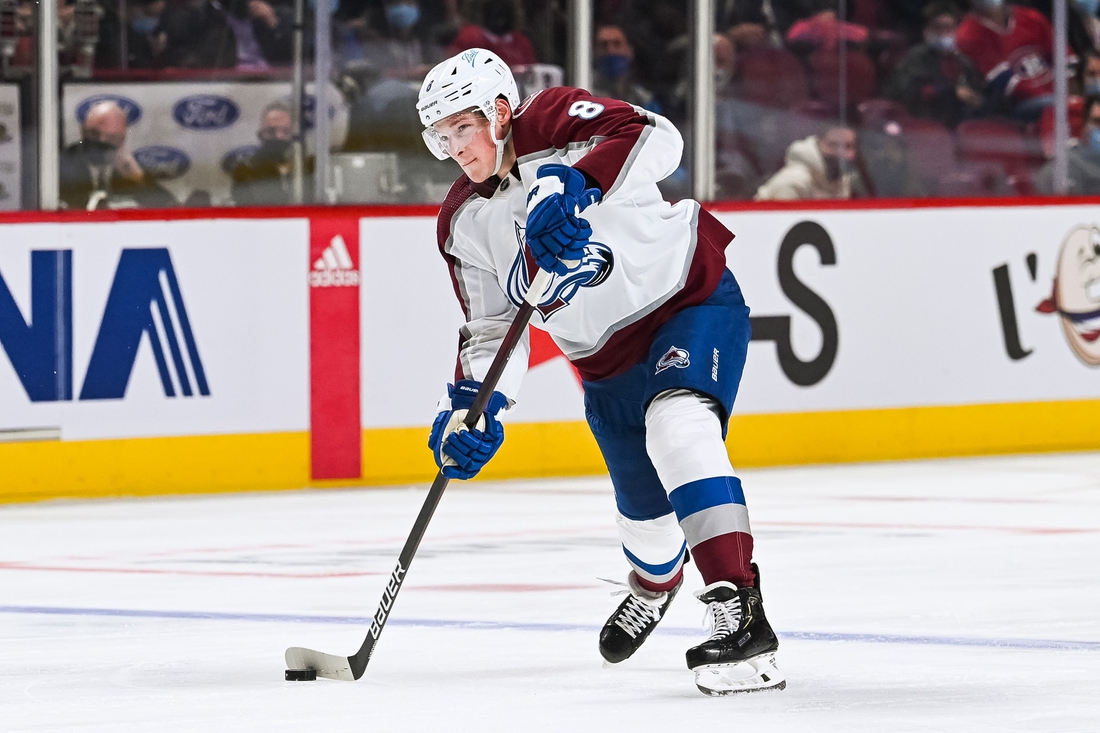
[673, 358]
[595, 268]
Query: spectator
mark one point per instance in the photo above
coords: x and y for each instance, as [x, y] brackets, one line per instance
[98, 171]
[823, 30]
[264, 178]
[819, 167]
[614, 62]
[499, 32]
[1088, 74]
[146, 41]
[755, 22]
[1083, 159]
[1013, 47]
[390, 39]
[934, 80]
[1083, 28]
[250, 35]
[736, 168]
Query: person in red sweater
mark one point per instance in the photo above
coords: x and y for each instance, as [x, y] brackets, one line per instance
[1014, 48]
[499, 32]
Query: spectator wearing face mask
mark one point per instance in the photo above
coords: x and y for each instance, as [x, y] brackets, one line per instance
[934, 80]
[1013, 47]
[264, 178]
[613, 58]
[146, 41]
[1088, 74]
[819, 167]
[395, 49]
[1083, 159]
[98, 172]
[250, 35]
[499, 32]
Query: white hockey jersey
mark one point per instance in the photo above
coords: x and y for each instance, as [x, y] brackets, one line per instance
[647, 259]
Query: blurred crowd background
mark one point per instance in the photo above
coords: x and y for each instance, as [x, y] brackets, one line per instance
[813, 99]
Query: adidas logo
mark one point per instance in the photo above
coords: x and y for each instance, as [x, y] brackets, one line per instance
[334, 268]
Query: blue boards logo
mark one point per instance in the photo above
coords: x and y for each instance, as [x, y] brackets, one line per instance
[205, 112]
[42, 351]
[237, 155]
[144, 299]
[129, 106]
[162, 161]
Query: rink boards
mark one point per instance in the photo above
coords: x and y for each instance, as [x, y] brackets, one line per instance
[155, 352]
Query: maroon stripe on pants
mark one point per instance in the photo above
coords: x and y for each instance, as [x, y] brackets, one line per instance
[660, 587]
[726, 557]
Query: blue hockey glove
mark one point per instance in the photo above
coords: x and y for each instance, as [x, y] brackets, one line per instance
[555, 234]
[462, 452]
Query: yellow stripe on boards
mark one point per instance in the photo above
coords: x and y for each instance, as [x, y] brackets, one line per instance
[196, 464]
[32, 471]
[913, 433]
[534, 450]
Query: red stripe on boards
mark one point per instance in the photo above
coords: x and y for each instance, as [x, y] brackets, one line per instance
[334, 275]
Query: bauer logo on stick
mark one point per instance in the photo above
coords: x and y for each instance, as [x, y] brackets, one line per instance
[674, 357]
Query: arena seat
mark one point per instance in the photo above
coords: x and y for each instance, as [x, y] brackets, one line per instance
[930, 146]
[994, 141]
[826, 71]
[877, 112]
[973, 179]
[773, 77]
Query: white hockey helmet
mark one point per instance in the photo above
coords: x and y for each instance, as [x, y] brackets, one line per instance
[473, 78]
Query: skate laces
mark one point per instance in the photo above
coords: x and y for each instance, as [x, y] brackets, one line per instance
[636, 613]
[722, 618]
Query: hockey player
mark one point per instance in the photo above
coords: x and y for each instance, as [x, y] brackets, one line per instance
[640, 302]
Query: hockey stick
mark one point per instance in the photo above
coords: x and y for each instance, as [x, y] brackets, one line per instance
[352, 668]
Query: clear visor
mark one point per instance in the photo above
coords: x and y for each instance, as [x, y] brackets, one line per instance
[453, 133]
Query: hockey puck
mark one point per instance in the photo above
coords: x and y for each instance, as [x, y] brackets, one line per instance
[301, 675]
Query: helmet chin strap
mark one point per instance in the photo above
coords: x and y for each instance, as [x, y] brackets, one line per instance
[500, 145]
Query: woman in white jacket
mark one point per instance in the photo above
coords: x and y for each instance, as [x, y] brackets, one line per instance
[818, 167]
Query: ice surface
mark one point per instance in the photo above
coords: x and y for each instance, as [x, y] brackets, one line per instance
[935, 596]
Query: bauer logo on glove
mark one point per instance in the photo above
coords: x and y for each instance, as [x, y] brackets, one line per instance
[460, 452]
[555, 233]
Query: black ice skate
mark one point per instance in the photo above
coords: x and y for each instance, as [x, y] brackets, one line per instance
[739, 656]
[633, 620]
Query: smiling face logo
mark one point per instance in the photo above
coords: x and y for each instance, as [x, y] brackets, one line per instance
[1076, 296]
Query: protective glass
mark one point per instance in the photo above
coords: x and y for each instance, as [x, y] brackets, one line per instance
[453, 133]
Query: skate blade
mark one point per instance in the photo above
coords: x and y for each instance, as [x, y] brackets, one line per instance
[752, 675]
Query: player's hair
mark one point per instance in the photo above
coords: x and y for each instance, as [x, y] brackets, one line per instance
[935, 9]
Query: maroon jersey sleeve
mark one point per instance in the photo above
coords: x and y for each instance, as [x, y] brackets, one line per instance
[558, 117]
